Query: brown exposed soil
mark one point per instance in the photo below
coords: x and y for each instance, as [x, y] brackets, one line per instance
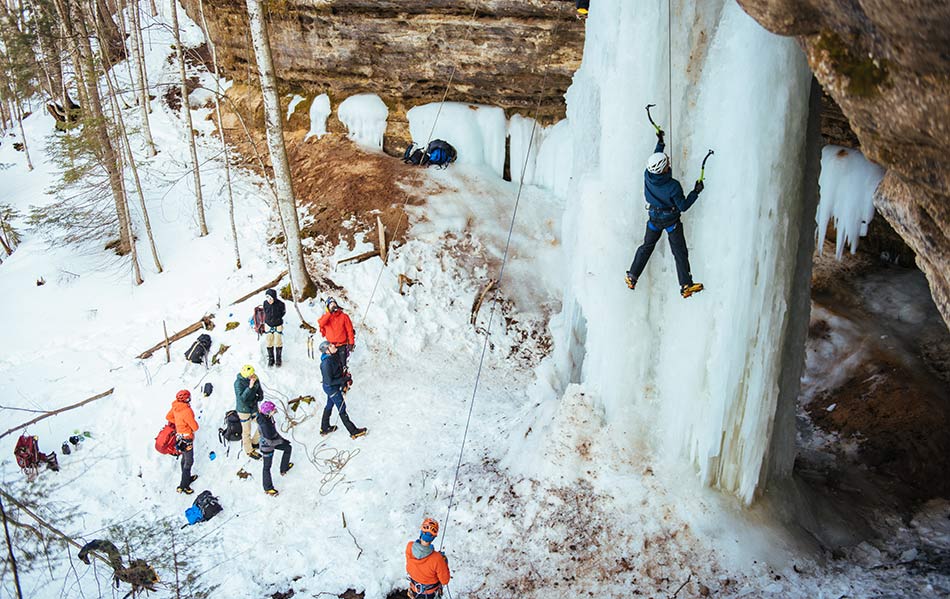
[337, 182]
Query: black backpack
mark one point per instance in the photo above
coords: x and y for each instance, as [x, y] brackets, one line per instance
[199, 349]
[205, 507]
[413, 155]
[440, 153]
[232, 428]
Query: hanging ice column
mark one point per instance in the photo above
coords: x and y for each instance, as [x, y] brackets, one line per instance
[694, 379]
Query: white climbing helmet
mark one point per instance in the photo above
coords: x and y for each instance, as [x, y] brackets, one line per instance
[657, 163]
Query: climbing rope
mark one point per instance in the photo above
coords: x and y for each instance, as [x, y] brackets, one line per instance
[494, 305]
[402, 212]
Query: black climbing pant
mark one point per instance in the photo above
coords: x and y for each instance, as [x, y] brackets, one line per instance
[335, 398]
[187, 461]
[269, 459]
[677, 243]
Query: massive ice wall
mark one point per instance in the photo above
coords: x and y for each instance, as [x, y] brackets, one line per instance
[697, 378]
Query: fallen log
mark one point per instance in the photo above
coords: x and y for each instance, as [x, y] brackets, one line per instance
[205, 323]
[261, 288]
[480, 298]
[59, 411]
[359, 257]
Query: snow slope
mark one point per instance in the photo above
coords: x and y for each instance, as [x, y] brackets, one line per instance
[599, 513]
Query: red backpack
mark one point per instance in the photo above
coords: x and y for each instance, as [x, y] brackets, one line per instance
[259, 320]
[167, 439]
[27, 452]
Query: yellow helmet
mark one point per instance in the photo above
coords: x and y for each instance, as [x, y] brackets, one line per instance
[247, 371]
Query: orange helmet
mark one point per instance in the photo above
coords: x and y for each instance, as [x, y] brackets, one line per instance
[183, 395]
[430, 526]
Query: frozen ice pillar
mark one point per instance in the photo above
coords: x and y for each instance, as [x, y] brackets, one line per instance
[699, 380]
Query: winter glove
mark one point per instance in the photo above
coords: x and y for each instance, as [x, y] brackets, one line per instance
[351, 347]
[699, 187]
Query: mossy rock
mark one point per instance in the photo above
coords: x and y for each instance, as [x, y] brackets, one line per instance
[286, 293]
[865, 73]
[231, 325]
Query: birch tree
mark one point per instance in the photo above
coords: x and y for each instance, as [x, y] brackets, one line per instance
[186, 116]
[224, 142]
[138, 52]
[286, 202]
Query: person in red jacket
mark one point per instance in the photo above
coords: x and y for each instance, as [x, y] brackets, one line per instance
[427, 568]
[185, 425]
[337, 328]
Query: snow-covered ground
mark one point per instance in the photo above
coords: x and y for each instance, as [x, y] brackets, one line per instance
[595, 516]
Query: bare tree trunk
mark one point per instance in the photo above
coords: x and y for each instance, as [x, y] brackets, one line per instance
[81, 52]
[18, 111]
[286, 203]
[186, 115]
[135, 27]
[110, 37]
[16, 572]
[120, 19]
[133, 252]
[224, 143]
[124, 141]
[153, 7]
[4, 120]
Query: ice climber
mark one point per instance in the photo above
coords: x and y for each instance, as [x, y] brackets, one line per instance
[185, 425]
[664, 195]
[427, 568]
[583, 7]
[248, 392]
[271, 441]
[274, 311]
[337, 328]
[336, 381]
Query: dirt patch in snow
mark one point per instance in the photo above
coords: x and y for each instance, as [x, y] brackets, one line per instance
[344, 188]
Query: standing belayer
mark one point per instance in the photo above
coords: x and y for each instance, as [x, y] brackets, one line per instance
[248, 393]
[337, 328]
[666, 202]
[274, 311]
[270, 442]
[336, 381]
[427, 568]
[185, 425]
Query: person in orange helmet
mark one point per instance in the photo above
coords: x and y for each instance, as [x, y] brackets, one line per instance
[337, 328]
[427, 568]
[185, 425]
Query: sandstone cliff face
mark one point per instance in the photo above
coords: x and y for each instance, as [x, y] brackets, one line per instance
[887, 65]
[406, 52]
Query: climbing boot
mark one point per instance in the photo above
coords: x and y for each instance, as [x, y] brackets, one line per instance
[327, 431]
[272, 492]
[289, 466]
[688, 290]
[254, 455]
[631, 280]
[185, 490]
[270, 356]
[358, 433]
[194, 477]
[278, 359]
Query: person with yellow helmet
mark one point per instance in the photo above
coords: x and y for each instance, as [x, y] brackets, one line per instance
[248, 392]
[427, 568]
[583, 7]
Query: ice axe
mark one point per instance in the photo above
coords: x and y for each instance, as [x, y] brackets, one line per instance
[655, 126]
[702, 169]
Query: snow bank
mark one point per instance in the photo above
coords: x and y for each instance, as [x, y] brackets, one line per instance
[847, 182]
[319, 112]
[694, 379]
[364, 116]
[477, 132]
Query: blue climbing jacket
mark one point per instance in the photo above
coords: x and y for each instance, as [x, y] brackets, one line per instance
[665, 196]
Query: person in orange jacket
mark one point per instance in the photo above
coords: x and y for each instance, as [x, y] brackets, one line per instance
[185, 425]
[337, 328]
[427, 568]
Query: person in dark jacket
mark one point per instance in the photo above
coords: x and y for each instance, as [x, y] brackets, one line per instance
[270, 441]
[666, 201]
[248, 393]
[274, 311]
[336, 381]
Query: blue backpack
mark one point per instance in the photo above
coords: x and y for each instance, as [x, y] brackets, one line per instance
[206, 507]
[440, 153]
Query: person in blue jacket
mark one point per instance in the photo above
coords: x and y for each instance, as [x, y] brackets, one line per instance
[666, 202]
[336, 381]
